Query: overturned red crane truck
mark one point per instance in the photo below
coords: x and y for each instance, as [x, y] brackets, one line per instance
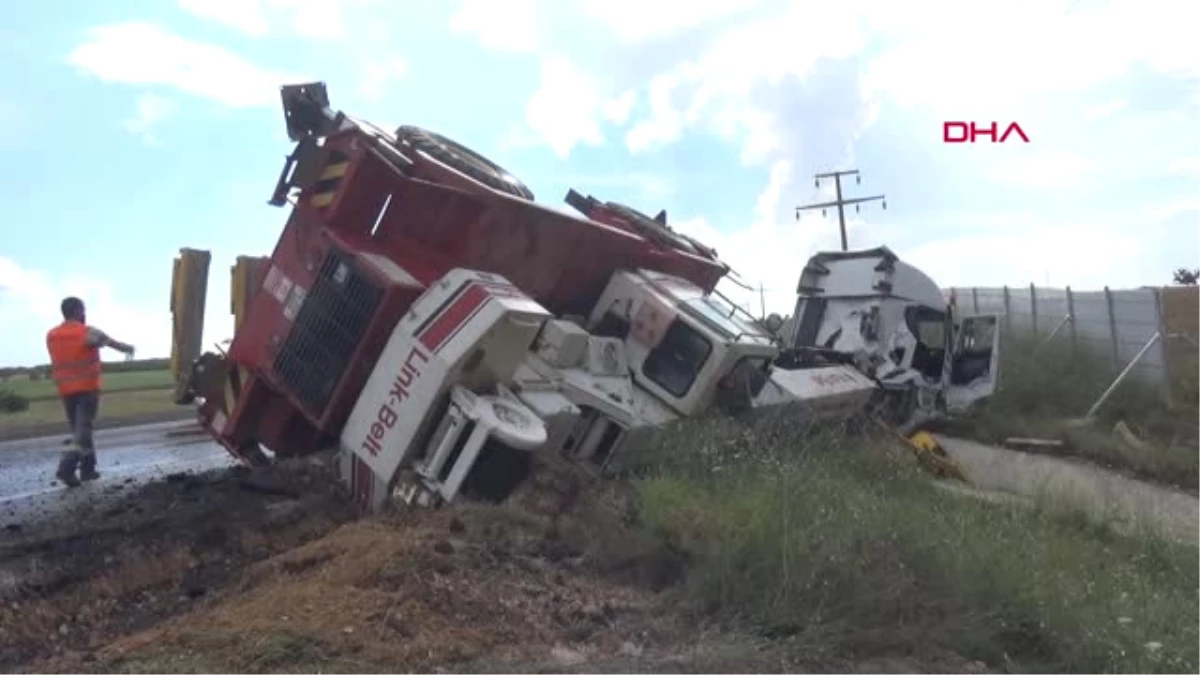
[425, 316]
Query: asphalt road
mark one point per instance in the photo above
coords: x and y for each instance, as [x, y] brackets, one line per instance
[126, 457]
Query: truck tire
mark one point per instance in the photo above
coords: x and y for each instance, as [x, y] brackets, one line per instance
[651, 228]
[464, 160]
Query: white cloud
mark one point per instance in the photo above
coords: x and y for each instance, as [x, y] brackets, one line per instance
[1176, 207]
[246, 16]
[511, 26]
[1185, 166]
[1046, 170]
[989, 67]
[638, 20]
[1081, 256]
[378, 75]
[1106, 110]
[318, 19]
[312, 19]
[566, 109]
[769, 202]
[617, 110]
[716, 90]
[1003, 54]
[30, 298]
[140, 53]
[150, 109]
[665, 123]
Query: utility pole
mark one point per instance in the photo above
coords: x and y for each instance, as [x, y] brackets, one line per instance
[839, 202]
[762, 301]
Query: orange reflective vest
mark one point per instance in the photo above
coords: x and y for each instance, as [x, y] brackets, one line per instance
[74, 366]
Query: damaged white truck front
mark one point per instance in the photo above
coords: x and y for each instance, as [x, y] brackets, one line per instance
[891, 322]
[465, 413]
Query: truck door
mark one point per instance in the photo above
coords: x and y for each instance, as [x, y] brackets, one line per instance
[972, 372]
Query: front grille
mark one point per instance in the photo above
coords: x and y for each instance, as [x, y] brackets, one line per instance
[326, 332]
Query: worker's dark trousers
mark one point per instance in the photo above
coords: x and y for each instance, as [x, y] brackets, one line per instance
[81, 414]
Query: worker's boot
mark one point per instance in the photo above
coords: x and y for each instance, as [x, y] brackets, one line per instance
[87, 466]
[66, 468]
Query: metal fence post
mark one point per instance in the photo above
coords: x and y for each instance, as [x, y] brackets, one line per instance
[1033, 307]
[1112, 329]
[1160, 322]
[1071, 320]
[1007, 311]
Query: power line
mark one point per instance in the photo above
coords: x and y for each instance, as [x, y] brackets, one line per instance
[839, 202]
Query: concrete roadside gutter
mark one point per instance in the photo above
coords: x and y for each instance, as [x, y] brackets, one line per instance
[1072, 483]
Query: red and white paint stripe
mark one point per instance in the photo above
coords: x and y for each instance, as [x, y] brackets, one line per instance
[459, 310]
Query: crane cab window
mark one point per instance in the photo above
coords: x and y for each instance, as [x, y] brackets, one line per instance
[678, 358]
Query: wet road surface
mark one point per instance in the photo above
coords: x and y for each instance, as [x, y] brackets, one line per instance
[126, 458]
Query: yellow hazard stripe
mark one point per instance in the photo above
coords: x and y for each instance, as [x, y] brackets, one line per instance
[325, 188]
[336, 170]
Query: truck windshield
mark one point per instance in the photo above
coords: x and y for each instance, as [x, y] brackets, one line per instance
[678, 358]
[723, 316]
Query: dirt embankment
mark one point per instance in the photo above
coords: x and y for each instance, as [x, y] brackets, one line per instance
[270, 573]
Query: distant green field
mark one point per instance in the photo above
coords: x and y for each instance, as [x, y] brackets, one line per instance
[36, 390]
[127, 405]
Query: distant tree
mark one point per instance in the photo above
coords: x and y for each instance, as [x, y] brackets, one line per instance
[1186, 277]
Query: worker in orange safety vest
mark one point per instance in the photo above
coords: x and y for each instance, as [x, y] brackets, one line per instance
[75, 367]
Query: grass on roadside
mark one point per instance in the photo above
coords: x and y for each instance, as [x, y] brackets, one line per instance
[848, 554]
[113, 406]
[1045, 386]
[35, 390]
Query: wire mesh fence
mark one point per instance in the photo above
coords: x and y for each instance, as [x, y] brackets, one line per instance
[1156, 327]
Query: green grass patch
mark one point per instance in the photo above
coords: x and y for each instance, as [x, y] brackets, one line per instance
[41, 389]
[113, 405]
[839, 546]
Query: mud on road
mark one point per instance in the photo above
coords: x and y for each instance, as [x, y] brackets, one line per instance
[69, 586]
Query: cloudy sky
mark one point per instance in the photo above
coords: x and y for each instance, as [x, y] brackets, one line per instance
[136, 127]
